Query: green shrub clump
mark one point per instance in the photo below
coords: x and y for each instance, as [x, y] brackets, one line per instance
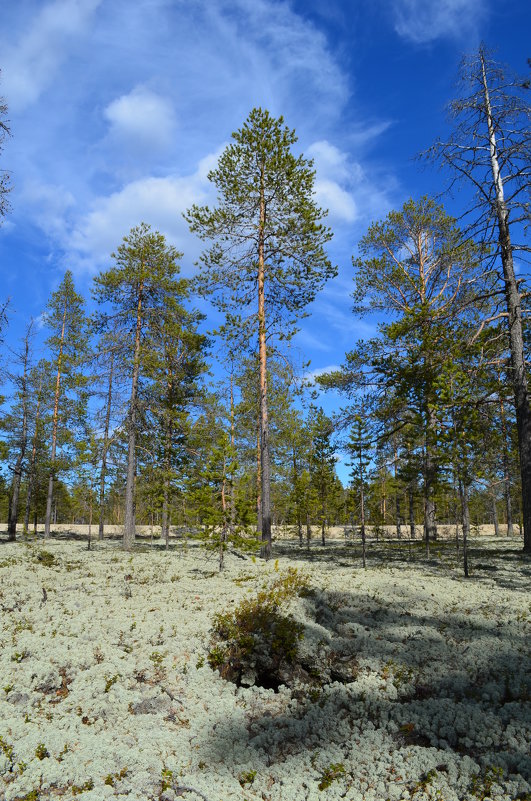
[256, 636]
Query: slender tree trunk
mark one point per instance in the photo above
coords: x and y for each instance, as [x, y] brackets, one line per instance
[17, 471]
[430, 524]
[258, 480]
[165, 529]
[297, 496]
[514, 310]
[411, 502]
[33, 459]
[49, 497]
[223, 533]
[495, 515]
[168, 435]
[89, 540]
[262, 353]
[465, 517]
[129, 520]
[105, 450]
[308, 530]
[362, 516]
[398, 517]
[506, 473]
[232, 525]
[362, 503]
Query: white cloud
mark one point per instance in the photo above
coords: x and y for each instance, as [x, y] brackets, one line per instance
[329, 161]
[142, 118]
[338, 201]
[158, 201]
[49, 204]
[340, 182]
[334, 178]
[423, 21]
[30, 65]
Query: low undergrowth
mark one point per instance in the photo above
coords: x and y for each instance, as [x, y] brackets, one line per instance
[256, 643]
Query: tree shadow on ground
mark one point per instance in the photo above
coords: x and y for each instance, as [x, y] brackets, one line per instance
[485, 562]
[443, 687]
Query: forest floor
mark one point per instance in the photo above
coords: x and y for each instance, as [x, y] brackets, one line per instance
[408, 682]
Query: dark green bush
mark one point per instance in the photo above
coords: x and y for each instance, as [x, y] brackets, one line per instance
[257, 636]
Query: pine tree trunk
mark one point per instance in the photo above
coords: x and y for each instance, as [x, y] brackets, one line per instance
[297, 496]
[15, 489]
[398, 517]
[506, 473]
[223, 533]
[465, 517]
[430, 471]
[105, 449]
[411, 501]
[514, 310]
[17, 472]
[129, 518]
[33, 459]
[362, 515]
[495, 515]
[262, 354]
[89, 539]
[49, 497]
[232, 526]
[258, 479]
[166, 480]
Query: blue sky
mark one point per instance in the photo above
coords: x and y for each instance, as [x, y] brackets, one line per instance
[118, 109]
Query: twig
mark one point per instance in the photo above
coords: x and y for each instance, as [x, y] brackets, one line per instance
[179, 789]
[172, 696]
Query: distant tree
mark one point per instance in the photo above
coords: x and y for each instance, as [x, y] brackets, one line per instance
[18, 425]
[83, 495]
[105, 439]
[323, 478]
[174, 366]
[38, 393]
[490, 148]
[359, 448]
[417, 269]
[138, 290]
[299, 448]
[268, 249]
[65, 318]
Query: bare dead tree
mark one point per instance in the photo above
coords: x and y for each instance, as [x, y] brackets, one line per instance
[490, 149]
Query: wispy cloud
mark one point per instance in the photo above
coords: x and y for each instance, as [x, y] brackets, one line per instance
[158, 201]
[424, 21]
[31, 63]
[126, 139]
[341, 181]
[141, 119]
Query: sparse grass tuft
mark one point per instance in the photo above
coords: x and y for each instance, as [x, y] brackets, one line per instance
[331, 774]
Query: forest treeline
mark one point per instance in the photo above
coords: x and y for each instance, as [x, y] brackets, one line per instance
[122, 422]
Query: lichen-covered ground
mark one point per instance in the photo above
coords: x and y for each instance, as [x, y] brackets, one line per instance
[106, 692]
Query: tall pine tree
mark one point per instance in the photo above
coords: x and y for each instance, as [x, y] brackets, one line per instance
[267, 260]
